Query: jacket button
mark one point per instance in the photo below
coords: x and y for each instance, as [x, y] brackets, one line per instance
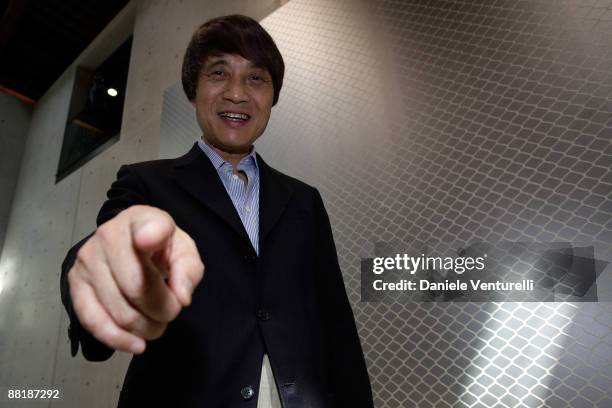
[250, 258]
[263, 315]
[247, 392]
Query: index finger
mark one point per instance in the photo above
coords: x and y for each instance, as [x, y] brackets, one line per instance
[185, 266]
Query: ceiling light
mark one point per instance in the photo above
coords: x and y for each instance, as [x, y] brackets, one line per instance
[111, 92]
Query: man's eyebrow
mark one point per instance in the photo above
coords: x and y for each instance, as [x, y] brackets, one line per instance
[256, 66]
[215, 63]
[260, 69]
[221, 61]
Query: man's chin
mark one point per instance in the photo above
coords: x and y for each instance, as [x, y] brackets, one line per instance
[233, 148]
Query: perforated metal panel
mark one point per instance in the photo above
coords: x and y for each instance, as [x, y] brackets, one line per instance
[433, 120]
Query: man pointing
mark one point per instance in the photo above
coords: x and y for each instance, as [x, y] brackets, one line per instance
[268, 323]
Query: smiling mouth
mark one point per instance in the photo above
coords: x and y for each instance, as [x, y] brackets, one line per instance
[235, 117]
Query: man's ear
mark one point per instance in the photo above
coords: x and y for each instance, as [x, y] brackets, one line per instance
[192, 102]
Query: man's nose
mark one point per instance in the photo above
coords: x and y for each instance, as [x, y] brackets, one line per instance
[236, 91]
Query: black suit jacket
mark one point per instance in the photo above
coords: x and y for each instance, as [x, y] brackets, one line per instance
[289, 301]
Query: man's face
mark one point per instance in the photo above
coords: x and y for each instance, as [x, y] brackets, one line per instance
[233, 102]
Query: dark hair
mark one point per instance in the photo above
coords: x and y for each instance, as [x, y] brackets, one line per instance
[233, 34]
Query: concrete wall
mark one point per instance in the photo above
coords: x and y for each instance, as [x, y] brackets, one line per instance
[14, 123]
[47, 218]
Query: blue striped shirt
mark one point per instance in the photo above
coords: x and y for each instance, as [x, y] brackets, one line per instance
[245, 198]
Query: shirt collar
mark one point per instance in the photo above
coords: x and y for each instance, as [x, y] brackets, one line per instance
[218, 161]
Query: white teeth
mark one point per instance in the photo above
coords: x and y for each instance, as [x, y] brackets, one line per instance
[234, 116]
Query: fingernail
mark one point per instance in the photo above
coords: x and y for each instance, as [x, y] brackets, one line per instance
[137, 347]
[143, 227]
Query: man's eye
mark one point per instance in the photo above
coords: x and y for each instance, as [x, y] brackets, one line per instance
[259, 79]
[216, 74]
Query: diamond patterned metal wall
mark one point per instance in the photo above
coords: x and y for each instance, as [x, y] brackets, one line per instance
[455, 121]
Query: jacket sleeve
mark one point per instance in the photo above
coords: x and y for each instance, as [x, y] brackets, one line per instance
[347, 368]
[126, 191]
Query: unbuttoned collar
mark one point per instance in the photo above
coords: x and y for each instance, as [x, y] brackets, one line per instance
[197, 175]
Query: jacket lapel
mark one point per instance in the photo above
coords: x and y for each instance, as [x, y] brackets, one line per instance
[196, 174]
[274, 194]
